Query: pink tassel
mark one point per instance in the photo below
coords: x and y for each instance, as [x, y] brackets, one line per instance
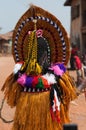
[57, 70]
[21, 80]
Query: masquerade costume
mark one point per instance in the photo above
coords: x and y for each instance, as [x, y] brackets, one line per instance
[40, 86]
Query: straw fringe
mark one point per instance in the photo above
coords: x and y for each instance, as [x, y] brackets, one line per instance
[33, 109]
[69, 89]
[34, 114]
[11, 90]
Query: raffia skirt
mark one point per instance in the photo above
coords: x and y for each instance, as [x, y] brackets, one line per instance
[33, 113]
[33, 109]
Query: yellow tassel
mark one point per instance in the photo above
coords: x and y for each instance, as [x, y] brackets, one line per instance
[24, 65]
[38, 68]
[33, 67]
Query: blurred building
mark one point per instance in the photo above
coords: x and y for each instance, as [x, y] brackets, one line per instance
[6, 43]
[78, 23]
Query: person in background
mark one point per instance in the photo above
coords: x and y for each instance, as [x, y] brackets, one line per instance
[79, 68]
[72, 60]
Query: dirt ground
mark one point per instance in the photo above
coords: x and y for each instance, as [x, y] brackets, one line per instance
[77, 107]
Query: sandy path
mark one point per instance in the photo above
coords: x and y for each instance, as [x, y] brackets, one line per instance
[6, 67]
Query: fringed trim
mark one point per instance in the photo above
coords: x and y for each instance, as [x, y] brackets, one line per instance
[64, 113]
[69, 90]
[12, 90]
[33, 113]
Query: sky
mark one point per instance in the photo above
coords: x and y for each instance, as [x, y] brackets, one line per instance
[12, 10]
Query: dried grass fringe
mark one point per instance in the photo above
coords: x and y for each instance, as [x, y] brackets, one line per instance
[12, 90]
[34, 114]
[33, 110]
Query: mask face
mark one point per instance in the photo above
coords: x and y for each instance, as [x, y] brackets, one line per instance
[43, 53]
